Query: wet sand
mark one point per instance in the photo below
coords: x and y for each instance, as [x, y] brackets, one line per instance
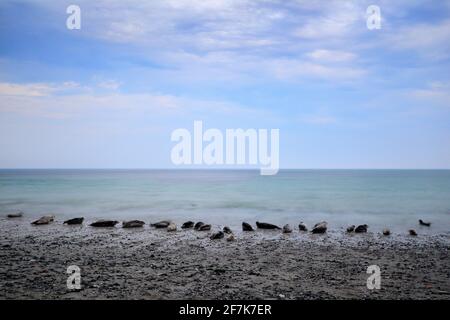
[155, 264]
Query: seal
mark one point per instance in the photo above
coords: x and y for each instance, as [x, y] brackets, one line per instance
[246, 227]
[287, 228]
[413, 232]
[104, 223]
[351, 228]
[423, 223]
[320, 227]
[74, 221]
[187, 225]
[133, 224]
[302, 227]
[205, 227]
[198, 225]
[263, 225]
[217, 235]
[227, 230]
[160, 224]
[172, 227]
[386, 232]
[361, 228]
[15, 215]
[44, 220]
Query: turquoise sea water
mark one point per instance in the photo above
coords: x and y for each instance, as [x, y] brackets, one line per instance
[381, 198]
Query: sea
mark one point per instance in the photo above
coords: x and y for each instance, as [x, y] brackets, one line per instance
[380, 198]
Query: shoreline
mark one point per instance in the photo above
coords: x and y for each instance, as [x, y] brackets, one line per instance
[119, 263]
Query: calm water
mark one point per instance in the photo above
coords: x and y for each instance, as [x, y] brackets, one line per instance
[393, 198]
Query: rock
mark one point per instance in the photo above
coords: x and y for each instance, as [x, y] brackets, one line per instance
[15, 215]
[172, 227]
[351, 228]
[231, 237]
[287, 229]
[44, 220]
[104, 223]
[187, 225]
[74, 221]
[217, 235]
[205, 227]
[198, 225]
[302, 227]
[386, 232]
[227, 230]
[422, 223]
[413, 232]
[320, 227]
[133, 224]
[160, 224]
[263, 225]
[246, 227]
[361, 228]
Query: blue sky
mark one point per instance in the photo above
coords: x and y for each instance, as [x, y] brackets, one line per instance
[109, 95]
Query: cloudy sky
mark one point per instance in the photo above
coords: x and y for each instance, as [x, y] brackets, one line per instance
[110, 94]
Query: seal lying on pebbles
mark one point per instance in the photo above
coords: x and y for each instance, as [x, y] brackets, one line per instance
[198, 225]
[133, 224]
[231, 237]
[386, 232]
[423, 223]
[104, 223]
[302, 227]
[320, 227]
[15, 215]
[413, 232]
[217, 235]
[361, 228]
[263, 225]
[187, 225]
[172, 227]
[351, 228]
[227, 230]
[160, 224]
[74, 221]
[204, 227]
[44, 220]
[246, 227]
[287, 228]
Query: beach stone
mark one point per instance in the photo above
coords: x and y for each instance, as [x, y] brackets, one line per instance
[351, 228]
[160, 224]
[413, 232]
[227, 230]
[264, 225]
[361, 228]
[205, 227]
[302, 227]
[386, 232]
[15, 215]
[133, 224]
[198, 225]
[217, 235]
[172, 227]
[187, 225]
[104, 223]
[74, 221]
[287, 229]
[246, 227]
[44, 220]
[320, 227]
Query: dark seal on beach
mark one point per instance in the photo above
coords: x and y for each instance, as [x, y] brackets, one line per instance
[160, 224]
[263, 225]
[217, 235]
[361, 228]
[227, 230]
[74, 221]
[423, 223]
[351, 228]
[43, 220]
[198, 225]
[205, 227]
[413, 232]
[15, 215]
[386, 232]
[320, 227]
[187, 225]
[104, 223]
[302, 227]
[133, 224]
[287, 228]
[246, 227]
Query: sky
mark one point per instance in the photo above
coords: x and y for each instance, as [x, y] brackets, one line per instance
[109, 94]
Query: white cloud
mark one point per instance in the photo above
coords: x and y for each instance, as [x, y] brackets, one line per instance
[331, 55]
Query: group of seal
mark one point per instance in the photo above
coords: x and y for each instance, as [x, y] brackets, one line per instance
[320, 227]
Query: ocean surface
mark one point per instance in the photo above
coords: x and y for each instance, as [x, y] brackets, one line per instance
[380, 198]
